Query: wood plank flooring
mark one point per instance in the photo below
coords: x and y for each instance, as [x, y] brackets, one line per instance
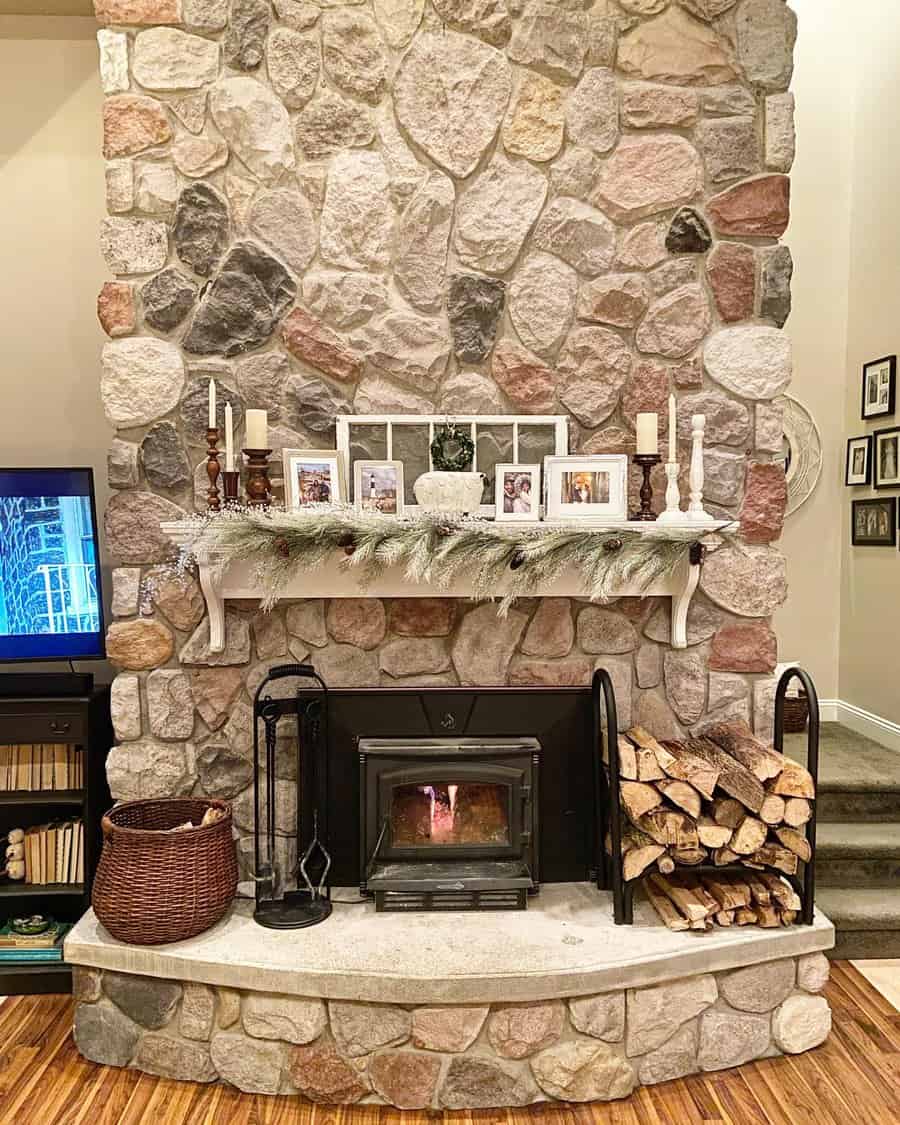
[853, 1079]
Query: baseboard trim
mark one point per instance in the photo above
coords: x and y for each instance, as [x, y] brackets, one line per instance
[880, 730]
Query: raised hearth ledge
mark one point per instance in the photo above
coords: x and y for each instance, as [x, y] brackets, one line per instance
[565, 945]
[221, 582]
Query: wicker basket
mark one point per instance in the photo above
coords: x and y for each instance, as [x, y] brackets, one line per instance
[796, 713]
[154, 886]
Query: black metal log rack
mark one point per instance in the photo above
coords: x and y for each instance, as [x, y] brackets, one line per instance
[610, 874]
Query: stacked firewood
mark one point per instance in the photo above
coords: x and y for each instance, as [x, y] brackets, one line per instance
[720, 798]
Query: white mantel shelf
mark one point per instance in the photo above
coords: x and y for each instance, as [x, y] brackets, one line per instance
[237, 580]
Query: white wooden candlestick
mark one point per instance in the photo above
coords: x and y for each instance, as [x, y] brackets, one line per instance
[673, 512]
[695, 512]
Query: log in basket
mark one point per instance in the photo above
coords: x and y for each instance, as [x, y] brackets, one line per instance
[154, 885]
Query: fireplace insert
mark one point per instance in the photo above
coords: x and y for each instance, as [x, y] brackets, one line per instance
[449, 824]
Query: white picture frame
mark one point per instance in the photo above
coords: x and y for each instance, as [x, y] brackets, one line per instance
[599, 481]
[513, 501]
[372, 482]
[328, 463]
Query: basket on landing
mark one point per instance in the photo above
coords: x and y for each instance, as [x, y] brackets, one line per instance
[154, 885]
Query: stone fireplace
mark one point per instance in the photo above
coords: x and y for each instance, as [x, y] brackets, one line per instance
[411, 206]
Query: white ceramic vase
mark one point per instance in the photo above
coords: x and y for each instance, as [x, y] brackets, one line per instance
[449, 492]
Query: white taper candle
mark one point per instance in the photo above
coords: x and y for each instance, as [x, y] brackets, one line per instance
[648, 433]
[673, 431]
[229, 438]
[212, 404]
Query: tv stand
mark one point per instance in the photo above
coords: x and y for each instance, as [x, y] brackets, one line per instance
[40, 685]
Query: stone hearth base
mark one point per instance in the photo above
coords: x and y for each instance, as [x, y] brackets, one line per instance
[333, 1045]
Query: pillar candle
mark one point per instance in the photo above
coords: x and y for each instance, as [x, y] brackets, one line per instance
[647, 433]
[257, 429]
[229, 438]
[212, 404]
[673, 431]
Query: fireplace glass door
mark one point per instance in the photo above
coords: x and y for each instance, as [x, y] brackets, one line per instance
[441, 809]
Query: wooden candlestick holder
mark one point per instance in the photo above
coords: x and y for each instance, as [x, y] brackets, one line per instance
[258, 488]
[231, 482]
[213, 500]
[646, 462]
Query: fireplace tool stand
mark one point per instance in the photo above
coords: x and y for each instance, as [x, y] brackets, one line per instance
[609, 812]
[310, 902]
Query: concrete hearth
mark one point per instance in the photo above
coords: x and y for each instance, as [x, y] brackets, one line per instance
[565, 945]
[454, 1011]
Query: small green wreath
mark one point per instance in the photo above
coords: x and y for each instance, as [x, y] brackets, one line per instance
[452, 450]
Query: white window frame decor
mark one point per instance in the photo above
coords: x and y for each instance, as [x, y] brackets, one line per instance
[333, 457]
[614, 510]
[557, 423]
[501, 469]
[361, 466]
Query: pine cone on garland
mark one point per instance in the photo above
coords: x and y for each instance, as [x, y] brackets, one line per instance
[612, 545]
[517, 560]
[282, 547]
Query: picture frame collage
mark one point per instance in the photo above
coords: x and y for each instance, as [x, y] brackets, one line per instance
[873, 459]
[589, 487]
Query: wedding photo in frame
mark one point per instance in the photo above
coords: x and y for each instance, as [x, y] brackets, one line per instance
[874, 522]
[378, 487]
[313, 476]
[517, 490]
[879, 387]
[886, 458]
[858, 470]
[586, 488]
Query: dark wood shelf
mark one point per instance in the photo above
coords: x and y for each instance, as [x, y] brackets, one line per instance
[42, 797]
[28, 890]
[83, 722]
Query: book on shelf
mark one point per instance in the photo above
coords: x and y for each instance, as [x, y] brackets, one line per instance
[54, 853]
[10, 939]
[41, 767]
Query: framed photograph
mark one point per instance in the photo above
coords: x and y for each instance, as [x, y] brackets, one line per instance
[887, 458]
[378, 487]
[313, 476]
[518, 492]
[859, 461]
[879, 387]
[874, 522]
[586, 487]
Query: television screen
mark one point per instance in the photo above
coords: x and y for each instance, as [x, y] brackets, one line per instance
[50, 601]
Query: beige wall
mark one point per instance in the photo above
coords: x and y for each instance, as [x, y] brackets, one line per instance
[870, 607]
[808, 626]
[51, 200]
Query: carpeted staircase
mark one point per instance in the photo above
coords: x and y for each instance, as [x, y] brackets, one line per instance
[858, 841]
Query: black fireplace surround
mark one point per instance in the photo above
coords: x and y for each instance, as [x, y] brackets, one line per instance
[531, 744]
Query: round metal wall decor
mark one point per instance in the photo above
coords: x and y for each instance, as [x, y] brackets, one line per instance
[801, 452]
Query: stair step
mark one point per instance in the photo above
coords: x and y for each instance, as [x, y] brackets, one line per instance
[844, 805]
[855, 840]
[861, 908]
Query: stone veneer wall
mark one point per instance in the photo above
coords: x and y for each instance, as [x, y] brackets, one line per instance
[588, 1048]
[439, 205]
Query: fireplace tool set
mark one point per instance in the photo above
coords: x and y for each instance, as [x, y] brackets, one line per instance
[279, 907]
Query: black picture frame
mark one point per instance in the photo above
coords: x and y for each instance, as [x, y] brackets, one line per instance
[891, 360]
[865, 439]
[877, 482]
[889, 504]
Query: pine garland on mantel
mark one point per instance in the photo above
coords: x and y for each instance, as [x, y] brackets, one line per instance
[504, 560]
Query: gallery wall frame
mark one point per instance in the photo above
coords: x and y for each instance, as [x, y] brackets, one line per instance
[886, 458]
[873, 522]
[858, 465]
[879, 388]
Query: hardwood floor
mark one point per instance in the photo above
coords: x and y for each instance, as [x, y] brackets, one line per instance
[853, 1078]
